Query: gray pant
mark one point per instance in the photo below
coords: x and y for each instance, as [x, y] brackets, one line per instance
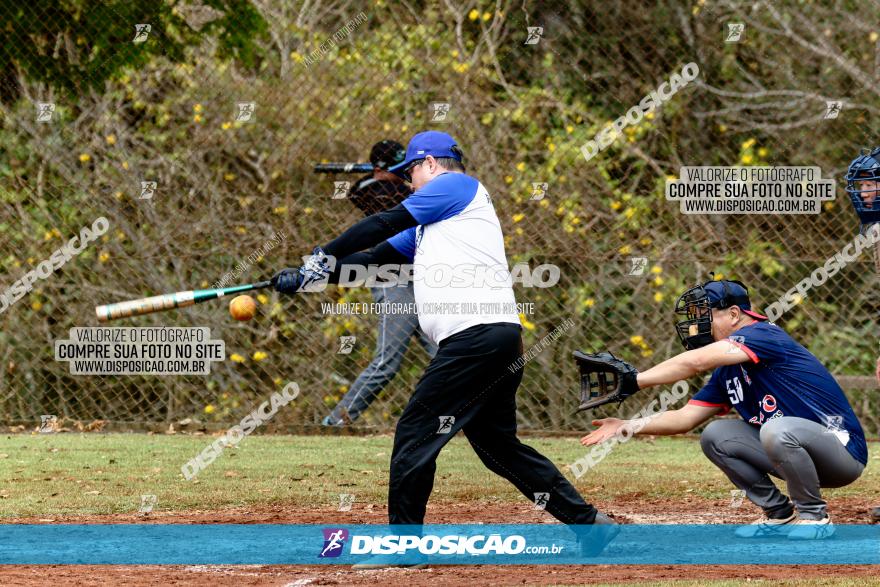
[805, 454]
[395, 332]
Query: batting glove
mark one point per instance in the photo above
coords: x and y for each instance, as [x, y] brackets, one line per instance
[310, 277]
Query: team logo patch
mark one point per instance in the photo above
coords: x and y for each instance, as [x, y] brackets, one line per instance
[768, 404]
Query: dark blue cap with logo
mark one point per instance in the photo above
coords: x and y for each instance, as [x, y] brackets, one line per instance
[430, 142]
[725, 293]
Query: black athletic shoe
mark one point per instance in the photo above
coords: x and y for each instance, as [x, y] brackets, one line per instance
[594, 538]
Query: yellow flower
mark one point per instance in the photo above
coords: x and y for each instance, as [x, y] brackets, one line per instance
[544, 203]
[84, 158]
[747, 159]
[120, 236]
[625, 250]
[763, 151]
[111, 139]
[461, 67]
[228, 176]
[645, 242]
[526, 324]
[118, 195]
[47, 236]
[260, 355]
[873, 36]
[474, 14]
[658, 281]
[637, 339]
[615, 205]
[241, 230]
[722, 128]
[487, 15]
[197, 118]
[197, 108]
[56, 232]
[551, 147]
[828, 206]
[454, 53]
[719, 276]
[658, 296]
[277, 381]
[521, 166]
[508, 179]
[518, 217]
[226, 125]
[404, 128]
[235, 357]
[656, 269]
[36, 306]
[797, 299]
[749, 143]
[209, 409]
[263, 298]
[629, 212]
[125, 164]
[308, 210]
[104, 257]
[647, 353]
[589, 303]
[569, 129]
[649, 116]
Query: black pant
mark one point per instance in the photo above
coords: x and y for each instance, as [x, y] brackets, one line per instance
[471, 380]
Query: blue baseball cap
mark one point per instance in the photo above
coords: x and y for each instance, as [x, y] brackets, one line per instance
[430, 142]
[725, 293]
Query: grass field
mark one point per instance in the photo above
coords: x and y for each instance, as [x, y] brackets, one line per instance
[62, 474]
[98, 478]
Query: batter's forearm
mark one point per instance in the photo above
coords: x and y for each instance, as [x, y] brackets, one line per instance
[370, 231]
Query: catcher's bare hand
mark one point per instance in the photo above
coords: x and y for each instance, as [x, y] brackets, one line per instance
[608, 428]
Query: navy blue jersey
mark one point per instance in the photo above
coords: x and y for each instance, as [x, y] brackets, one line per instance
[782, 379]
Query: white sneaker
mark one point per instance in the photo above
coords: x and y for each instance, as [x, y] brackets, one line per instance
[811, 529]
[767, 527]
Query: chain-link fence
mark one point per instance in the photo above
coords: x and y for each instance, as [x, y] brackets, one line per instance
[193, 129]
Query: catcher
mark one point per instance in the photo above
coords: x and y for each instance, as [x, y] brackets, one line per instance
[796, 423]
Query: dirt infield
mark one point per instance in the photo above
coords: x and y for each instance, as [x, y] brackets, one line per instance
[626, 509]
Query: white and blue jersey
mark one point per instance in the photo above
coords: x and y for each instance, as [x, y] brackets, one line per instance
[458, 236]
[782, 379]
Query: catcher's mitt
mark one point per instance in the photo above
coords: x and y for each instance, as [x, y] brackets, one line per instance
[604, 379]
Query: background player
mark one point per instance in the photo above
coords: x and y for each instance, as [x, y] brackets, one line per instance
[863, 186]
[382, 190]
[796, 421]
[471, 382]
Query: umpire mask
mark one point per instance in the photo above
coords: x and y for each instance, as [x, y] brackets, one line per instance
[863, 185]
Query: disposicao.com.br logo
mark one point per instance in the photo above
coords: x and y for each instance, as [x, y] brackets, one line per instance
[450, 544]
[334, 541]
